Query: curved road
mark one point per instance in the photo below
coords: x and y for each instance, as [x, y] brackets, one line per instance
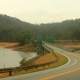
[68, 71]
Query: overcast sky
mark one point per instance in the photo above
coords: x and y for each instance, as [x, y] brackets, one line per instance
[41, 11]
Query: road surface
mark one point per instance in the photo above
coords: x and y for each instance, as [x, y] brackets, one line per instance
[68, 71]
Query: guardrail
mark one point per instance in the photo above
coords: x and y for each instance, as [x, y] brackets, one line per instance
[10, 70]
[39, 65]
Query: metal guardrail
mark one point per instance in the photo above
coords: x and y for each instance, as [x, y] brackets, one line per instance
[46, 47]
[10, 70]
[39, 65]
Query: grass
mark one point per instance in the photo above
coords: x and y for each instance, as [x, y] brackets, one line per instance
[56, 61]
[61, 60]
[47, 58]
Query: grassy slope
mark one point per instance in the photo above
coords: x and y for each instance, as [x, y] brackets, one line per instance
[60, 61]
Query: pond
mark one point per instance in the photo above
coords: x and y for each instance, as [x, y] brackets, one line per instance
[11, 59]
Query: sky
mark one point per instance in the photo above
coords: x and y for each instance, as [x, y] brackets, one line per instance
[41, 11]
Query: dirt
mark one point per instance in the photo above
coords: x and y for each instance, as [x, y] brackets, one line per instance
[69, 45]
[7, 44]
[47, 58]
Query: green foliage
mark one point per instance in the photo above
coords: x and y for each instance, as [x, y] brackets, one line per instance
[12, 29]
[25, 37]
[49, 39]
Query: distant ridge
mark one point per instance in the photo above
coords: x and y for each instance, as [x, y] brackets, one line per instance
[12, 29]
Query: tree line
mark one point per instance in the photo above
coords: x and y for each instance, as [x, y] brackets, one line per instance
[15, 30]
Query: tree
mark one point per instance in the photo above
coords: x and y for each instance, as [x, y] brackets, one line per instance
[25, 37]
[39, 39]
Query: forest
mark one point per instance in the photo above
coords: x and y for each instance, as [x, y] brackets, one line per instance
[15, 30]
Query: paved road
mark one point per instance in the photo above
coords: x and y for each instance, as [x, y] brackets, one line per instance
[69, 71]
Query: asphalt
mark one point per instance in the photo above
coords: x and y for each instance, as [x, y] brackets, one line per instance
[68, 71]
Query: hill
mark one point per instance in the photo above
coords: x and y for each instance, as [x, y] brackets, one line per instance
[66, 30]
[13, 29]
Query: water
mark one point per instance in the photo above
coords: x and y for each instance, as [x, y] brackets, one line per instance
[11, 59]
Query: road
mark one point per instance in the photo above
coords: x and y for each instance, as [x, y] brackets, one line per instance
[68, 71]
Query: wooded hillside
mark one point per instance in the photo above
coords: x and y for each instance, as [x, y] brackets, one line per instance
[13, 29]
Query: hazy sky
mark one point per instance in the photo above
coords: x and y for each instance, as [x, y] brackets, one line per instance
[41, 11]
